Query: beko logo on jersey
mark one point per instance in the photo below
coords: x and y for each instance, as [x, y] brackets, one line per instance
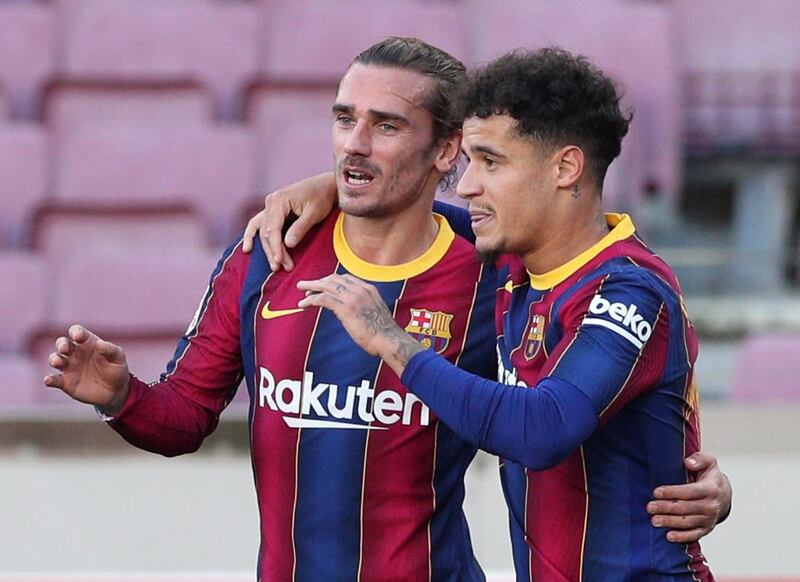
[361, 403]
[634, 328]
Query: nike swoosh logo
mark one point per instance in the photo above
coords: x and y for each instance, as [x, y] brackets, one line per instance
[268, 313]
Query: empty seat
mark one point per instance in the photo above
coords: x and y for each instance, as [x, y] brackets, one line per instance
[23, 182]
[23, 298]
[27, 53]
[58, 232]
[768, 369]
[211, 170]
[142, 294]
[20, 383]
[71, 105]
[633, 42]
[214, 42]
[293, 131]
[343, 29]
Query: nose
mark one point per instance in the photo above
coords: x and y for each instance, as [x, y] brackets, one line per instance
[469, 186]
[358, 142]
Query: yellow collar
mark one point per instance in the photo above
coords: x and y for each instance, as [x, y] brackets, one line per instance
[621, 228]
[385, 273]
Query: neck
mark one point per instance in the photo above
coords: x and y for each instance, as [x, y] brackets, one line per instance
[392, 240]
[567, 239]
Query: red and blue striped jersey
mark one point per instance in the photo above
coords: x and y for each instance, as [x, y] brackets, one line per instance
[356, 478]
[612, 323]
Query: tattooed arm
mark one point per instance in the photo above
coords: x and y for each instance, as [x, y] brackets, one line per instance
[364, 315]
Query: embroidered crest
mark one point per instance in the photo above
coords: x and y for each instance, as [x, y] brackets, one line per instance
[430, 328]
[534, 337]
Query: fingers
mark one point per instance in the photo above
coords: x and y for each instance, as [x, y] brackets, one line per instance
[298, 230]
[700, 461]
[689, 491]
[250, 232]
[111, 352]
[681, 522]
[680, 508]
[54, 381]
[686, 536]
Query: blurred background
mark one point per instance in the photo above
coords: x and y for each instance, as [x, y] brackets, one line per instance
[136, 137]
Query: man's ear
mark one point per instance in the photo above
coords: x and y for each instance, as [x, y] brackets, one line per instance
[449, 152]
[570, 162]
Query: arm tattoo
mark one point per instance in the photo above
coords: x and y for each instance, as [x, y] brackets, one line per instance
[380, 322]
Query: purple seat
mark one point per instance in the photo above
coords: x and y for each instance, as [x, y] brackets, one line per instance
[214, 42]
[20, 382]
[325, 54]
[210, 170]
[23, 298]
[633, 42]
[57, 231]
[23, 182]
[27, 53]
[142, 294]
[768, 369]
[288, 120]
[71, 105]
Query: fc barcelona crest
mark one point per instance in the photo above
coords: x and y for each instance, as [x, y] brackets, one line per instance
[533, 339]
[430, 328]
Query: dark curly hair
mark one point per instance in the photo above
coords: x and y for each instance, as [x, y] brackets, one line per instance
[556, 98]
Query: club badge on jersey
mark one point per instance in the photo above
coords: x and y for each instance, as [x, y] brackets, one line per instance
[533, 339]
[430, 328]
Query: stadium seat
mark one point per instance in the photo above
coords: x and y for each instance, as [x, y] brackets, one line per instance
[150, 294]
[293, 131]
[213, 42]
[343, 29]
[768, 369]
[20, 382]
[23, 180]
[57, 231]
[210, 170]
[4, 112]
[23, 298]
[633, 42]
[69, 105]
[27, 53]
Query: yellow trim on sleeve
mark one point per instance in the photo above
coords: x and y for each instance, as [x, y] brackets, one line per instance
[621, 228]
[386, 273]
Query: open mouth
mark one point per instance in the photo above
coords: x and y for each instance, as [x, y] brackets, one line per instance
[479, 217]
[353, 177]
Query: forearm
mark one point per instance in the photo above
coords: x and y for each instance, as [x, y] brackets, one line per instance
[457, 217]
[537, 427]
[162, 420]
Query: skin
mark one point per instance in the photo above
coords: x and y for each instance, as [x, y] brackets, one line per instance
[380, 127]
[509, 182]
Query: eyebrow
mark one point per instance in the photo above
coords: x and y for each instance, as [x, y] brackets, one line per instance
[375, 113]
[483, 149]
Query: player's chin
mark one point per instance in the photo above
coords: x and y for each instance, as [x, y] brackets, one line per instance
[487, 250]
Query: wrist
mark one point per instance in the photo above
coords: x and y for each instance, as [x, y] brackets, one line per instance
[118, 400]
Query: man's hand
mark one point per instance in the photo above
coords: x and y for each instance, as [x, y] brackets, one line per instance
[364, 315]
[91, 370]
[310, 200]
[691, 511]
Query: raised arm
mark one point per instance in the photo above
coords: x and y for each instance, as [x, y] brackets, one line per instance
[173, 415]
[309, 200]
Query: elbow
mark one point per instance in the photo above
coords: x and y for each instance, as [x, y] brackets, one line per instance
[542, 460]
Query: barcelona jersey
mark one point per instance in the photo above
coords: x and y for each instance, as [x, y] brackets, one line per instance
[599, 354]
[356, 478]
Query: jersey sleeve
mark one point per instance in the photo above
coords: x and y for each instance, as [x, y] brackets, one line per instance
[537, 428]
[173, 415]
[614, 342]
